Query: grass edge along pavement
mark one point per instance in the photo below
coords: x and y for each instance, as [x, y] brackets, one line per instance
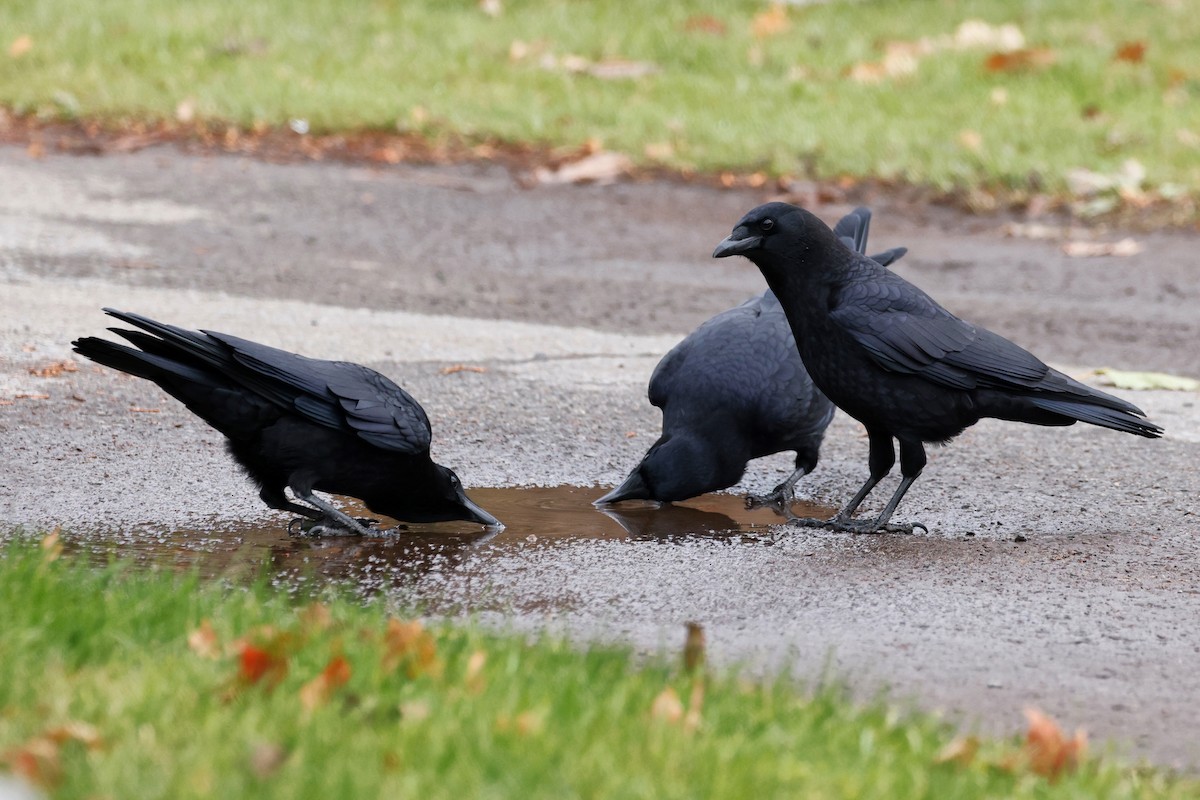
[994, 101]
[119, 682]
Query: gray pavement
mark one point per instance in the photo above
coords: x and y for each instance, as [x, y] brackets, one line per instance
[1061, 568]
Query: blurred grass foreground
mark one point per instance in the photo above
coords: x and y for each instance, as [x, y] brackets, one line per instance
[119, 683]
[1098, 101]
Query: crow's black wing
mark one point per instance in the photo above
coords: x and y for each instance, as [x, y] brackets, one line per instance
[906, 331]
[336, 394]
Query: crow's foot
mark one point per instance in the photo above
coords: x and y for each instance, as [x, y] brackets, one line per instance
[327, 526]
[777, 500]
[855, 525]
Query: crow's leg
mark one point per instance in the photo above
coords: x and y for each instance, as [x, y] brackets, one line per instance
[784, 494]
[912, 461]
[339, 519]
[881, 459]
[275, 498]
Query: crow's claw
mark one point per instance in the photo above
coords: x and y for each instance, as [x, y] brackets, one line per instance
[855, 525]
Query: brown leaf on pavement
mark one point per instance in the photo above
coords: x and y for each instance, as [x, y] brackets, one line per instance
[1125, 247]
[601, 168]
[461, 368]
[54, 369]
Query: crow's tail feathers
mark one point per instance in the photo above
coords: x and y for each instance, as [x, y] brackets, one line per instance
[1129, 418]
[154, 367]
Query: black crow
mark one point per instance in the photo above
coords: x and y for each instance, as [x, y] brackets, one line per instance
[888, 355]
[299, 423]
[733, 390]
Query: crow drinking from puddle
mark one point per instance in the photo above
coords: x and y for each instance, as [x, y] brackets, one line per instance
[299, 423]
[735, 389]
[888, 355]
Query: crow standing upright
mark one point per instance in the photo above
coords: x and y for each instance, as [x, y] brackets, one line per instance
[299, 423]
[733, 390]
[888, 355]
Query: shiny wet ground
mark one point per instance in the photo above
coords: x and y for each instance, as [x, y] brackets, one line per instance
[533, 517]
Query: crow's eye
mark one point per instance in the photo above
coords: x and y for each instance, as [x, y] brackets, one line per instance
[767, 224]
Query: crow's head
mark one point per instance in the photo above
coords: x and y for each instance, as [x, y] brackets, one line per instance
[776, 233]
[676, 468]
[435, 496]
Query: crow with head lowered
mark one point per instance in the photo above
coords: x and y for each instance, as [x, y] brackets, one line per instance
[298, 423]
[888, 355]
[735, 389]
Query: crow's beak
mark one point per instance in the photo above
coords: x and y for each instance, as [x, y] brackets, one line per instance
[634, 488]
[477, 514]
[736, 243]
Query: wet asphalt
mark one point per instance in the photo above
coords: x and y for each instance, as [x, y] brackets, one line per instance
[1060, 570]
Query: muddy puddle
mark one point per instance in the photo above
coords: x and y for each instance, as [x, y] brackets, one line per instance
[534, 517]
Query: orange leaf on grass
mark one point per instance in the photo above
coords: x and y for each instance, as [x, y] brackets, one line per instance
[1025, 59]
[1049, 751]
[203, 641]
[409, 643]
[261, 664]
[318, 691]
[1133, 52]
[771, 22]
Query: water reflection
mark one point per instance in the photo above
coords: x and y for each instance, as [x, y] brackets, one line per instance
[404, 553]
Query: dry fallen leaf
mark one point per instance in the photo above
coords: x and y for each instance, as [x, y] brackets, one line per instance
[771, 22]
[409, 643]
[318, 691]
[203, 641]
[20, 46]
[1048, 750]
[704, 24]
[30, 396]
[54, 369]
[1033, 230]
[1125, 247]
[140, 410]
[52, 546]
[694, 647]
[315, 617]
[667, 706]
[474, 674]
[1026, 59]
[185, 111]
[601, 168]
[266, 759]
[461, 368]
[970, 139]
[493, 8]
[1133, 52]
[265, 662]
[38, 760]
[620, 69]
[1122, 379]
[961, 751]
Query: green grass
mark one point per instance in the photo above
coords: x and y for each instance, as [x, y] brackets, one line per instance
[103, 695]
[782, 104]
